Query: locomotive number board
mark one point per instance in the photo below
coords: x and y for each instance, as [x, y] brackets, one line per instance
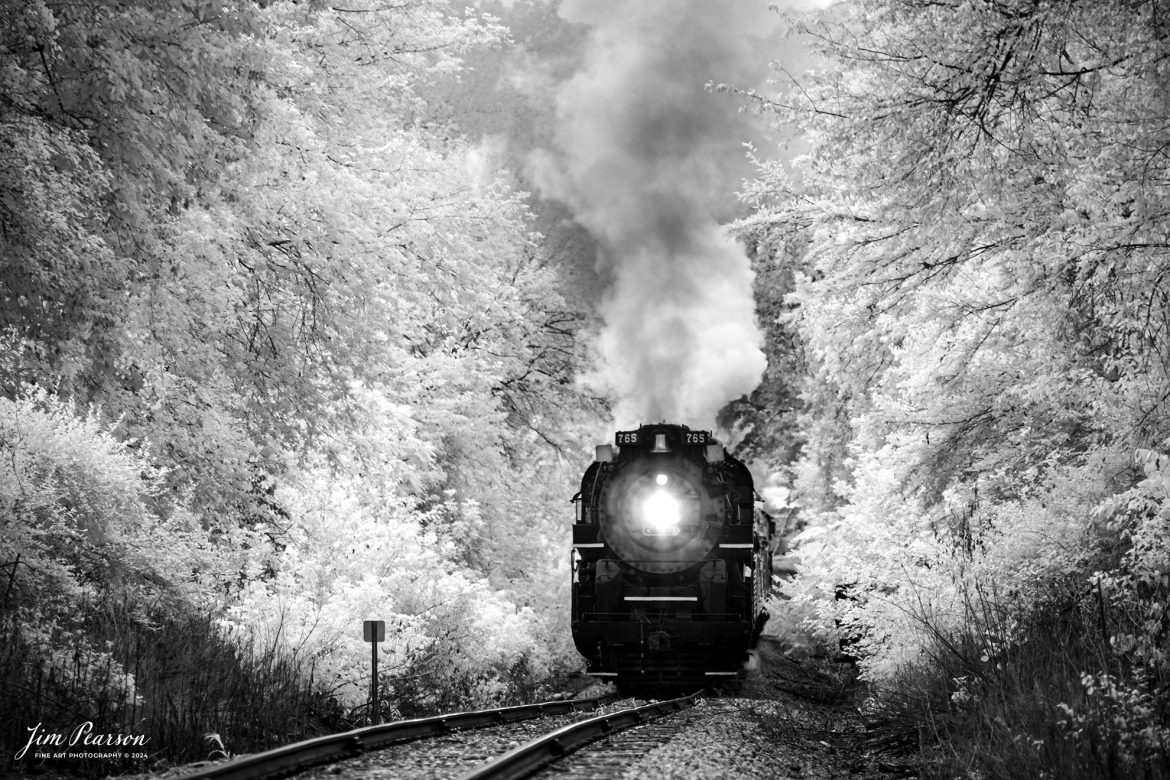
[633, 438]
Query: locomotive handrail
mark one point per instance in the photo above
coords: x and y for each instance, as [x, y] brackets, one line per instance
[526, 759]
[282, 760]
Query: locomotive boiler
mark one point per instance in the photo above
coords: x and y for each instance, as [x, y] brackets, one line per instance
[671, 559]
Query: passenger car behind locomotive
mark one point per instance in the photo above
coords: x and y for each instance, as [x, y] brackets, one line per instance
[671, 559]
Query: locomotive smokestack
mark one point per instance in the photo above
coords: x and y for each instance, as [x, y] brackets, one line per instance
[649, 160]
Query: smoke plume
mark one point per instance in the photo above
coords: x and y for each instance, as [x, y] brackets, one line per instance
[648, 159]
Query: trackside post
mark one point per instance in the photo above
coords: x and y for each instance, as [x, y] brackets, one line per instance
[374, 632]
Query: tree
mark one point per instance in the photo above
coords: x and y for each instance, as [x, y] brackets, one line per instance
[233, 232]
[982, 291]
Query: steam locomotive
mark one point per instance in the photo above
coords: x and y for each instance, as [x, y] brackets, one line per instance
[671, 560]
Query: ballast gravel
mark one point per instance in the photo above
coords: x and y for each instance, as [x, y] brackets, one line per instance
[725, 738]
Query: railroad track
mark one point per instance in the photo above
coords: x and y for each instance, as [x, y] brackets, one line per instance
[536, 755]
[509, 742]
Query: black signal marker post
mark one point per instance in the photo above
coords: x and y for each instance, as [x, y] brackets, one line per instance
[374, 632]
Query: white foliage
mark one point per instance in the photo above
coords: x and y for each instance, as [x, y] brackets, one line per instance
[352, 556]
[77, 529]
[982, 302]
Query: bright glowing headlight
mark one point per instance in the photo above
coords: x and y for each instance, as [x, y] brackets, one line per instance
[660, 514]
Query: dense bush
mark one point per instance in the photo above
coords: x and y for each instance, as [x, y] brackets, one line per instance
[292, 342]
[101, 606]
[978, 238]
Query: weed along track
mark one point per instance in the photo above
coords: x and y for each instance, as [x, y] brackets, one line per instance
[788, 717]
[762, 726]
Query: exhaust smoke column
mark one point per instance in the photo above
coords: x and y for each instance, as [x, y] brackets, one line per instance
[649, 159]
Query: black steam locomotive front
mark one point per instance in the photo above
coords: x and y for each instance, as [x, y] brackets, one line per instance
[671, 559]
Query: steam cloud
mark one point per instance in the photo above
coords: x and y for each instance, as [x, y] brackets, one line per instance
[648, 161]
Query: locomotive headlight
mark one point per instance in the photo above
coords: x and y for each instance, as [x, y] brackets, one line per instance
[660, 514]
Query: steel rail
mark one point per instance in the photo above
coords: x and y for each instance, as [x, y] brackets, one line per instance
[300, 755]
[526, 759]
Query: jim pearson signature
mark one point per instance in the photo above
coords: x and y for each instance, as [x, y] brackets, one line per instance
[81, 735]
